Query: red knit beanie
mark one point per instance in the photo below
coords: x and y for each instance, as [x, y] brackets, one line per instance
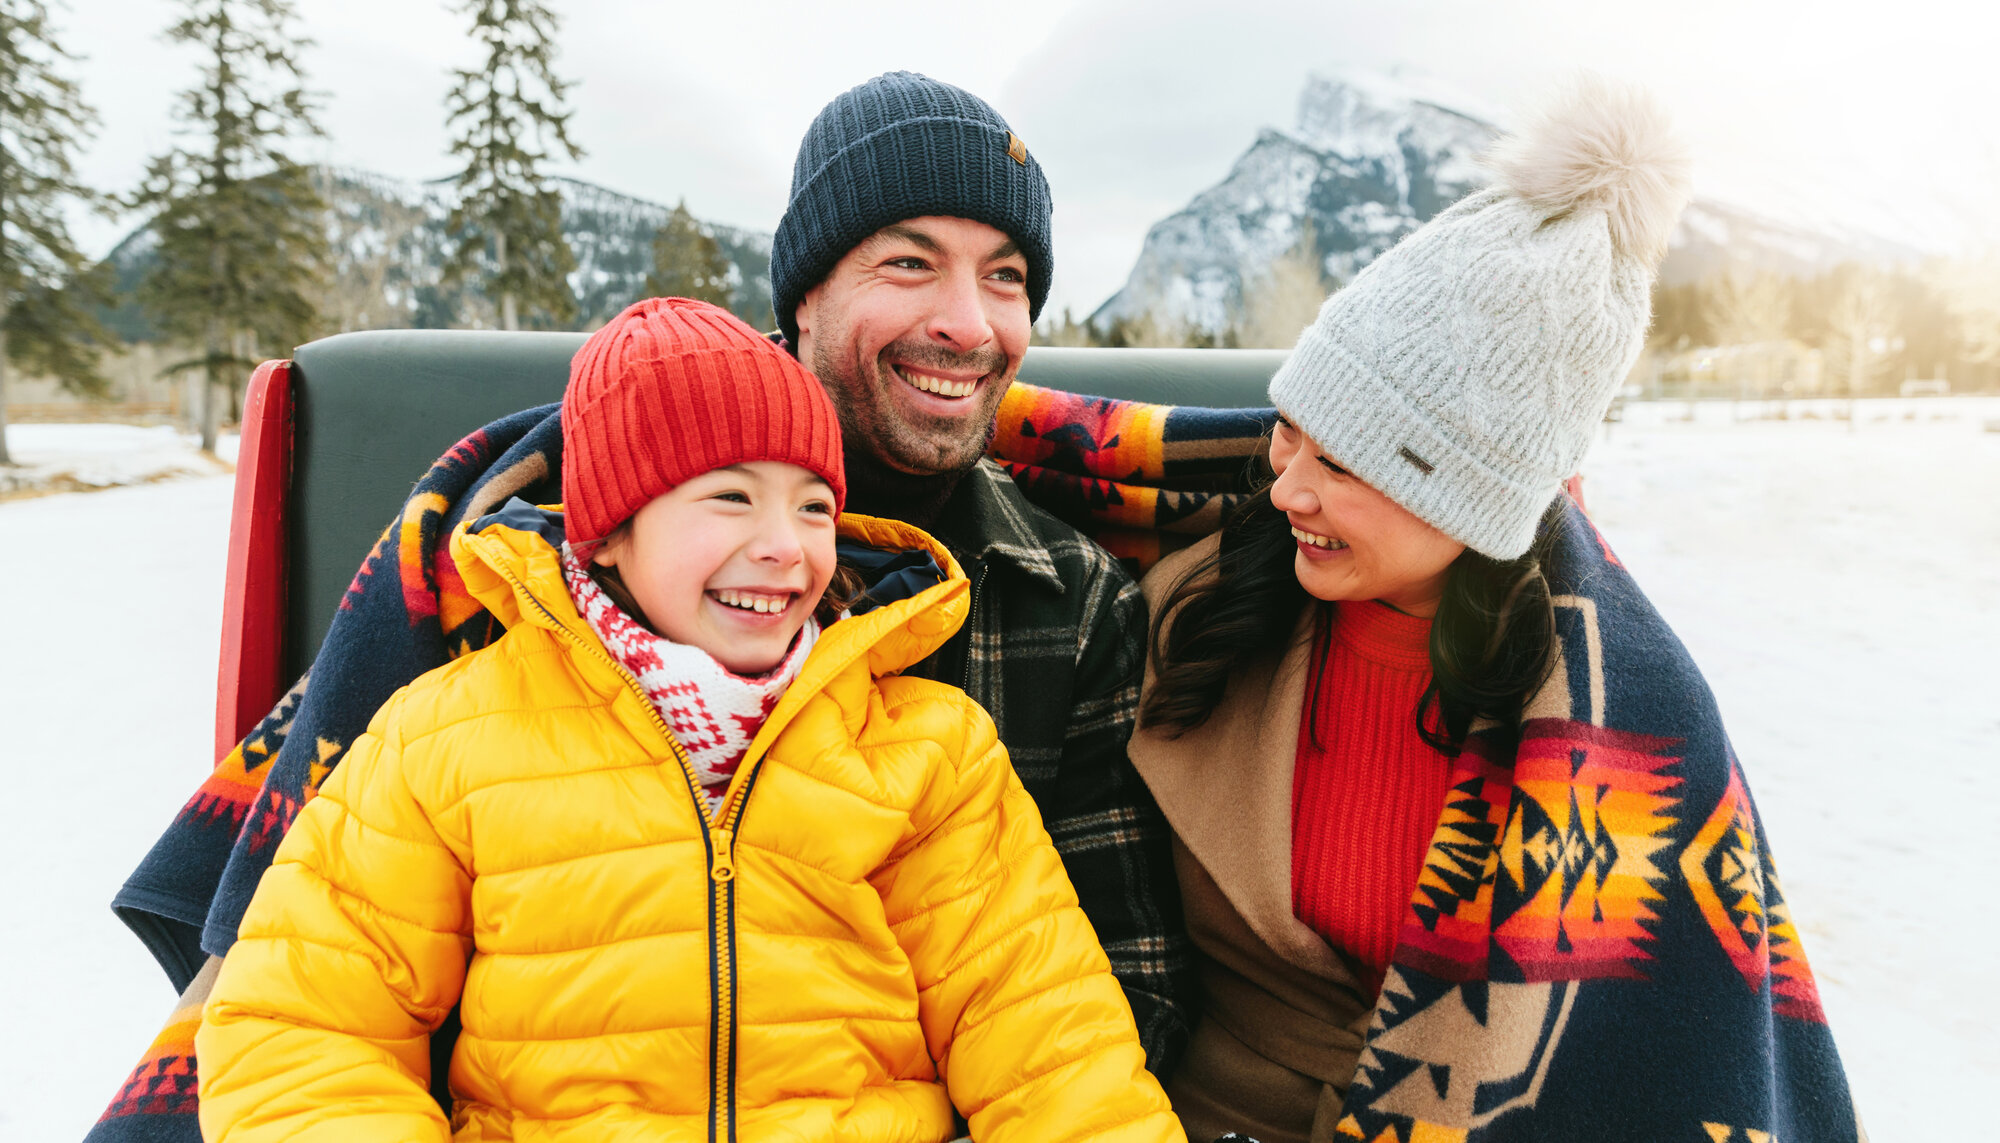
[673, 388]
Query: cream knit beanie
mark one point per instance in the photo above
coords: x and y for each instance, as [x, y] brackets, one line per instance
[1463, 373]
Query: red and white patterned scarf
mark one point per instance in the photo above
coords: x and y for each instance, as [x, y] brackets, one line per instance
[713, 712]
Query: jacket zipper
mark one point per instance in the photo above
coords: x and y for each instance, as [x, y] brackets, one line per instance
[972, 625]
[719, 843]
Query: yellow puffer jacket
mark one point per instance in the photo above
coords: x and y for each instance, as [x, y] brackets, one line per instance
[875, 917]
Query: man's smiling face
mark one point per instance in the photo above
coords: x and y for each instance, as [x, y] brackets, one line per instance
[916, 335]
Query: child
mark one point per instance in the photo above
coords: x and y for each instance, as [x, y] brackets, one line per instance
[693, 865]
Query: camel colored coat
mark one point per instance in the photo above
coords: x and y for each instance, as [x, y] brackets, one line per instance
[1284, 1012]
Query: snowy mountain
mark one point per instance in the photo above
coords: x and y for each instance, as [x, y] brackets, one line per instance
[1714, 235]
[1369, 161]
[390, 245]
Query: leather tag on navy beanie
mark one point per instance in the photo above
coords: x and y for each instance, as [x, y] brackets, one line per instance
[1017, 150]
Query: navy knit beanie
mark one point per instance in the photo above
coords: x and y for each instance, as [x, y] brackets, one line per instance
[905, 146]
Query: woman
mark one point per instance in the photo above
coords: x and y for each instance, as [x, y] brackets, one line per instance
[1462, 845]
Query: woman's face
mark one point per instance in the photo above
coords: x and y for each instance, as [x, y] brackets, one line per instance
[1354, 543]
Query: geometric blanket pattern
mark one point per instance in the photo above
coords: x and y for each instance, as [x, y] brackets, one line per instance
[1598, 946]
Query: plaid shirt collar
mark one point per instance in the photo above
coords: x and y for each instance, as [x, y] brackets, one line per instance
[989, 517]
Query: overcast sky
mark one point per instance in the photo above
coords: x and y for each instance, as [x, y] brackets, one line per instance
[1885, 115]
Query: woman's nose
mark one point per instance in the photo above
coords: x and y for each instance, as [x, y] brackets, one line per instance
[1289, 493]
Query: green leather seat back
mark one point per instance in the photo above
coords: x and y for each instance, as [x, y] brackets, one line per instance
[373, 410]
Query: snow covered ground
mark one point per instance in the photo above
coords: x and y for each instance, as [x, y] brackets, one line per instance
[1840, 587]
[107, 712]
[73, 458]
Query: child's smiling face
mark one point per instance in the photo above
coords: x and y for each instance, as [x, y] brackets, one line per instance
[732, 561]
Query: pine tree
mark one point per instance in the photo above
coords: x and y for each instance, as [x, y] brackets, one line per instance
[511, 119]
[241, 242]
[688, 262]
[46, 287]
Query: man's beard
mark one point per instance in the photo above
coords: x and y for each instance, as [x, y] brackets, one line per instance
[872, 421]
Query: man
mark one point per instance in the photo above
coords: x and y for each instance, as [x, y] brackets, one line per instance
[907, 272]
[911, 262]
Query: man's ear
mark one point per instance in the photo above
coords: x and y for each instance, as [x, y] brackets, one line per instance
[802, 318]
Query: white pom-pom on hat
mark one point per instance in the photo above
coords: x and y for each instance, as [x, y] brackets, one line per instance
[1602, 145]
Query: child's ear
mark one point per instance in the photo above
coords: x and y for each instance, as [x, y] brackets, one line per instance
[605, 555]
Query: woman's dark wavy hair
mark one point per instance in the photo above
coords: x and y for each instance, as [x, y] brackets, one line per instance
[1492, 641]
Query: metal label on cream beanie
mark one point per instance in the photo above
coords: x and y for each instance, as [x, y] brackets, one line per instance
[1464, 372]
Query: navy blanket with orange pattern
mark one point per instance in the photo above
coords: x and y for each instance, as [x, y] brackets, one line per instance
[1600, 948]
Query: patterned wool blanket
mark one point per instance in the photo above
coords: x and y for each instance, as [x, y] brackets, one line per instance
[1599, 911]
[1144, 478]
[1599, 947]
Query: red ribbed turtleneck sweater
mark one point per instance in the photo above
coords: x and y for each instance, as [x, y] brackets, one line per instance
[1367, 794]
